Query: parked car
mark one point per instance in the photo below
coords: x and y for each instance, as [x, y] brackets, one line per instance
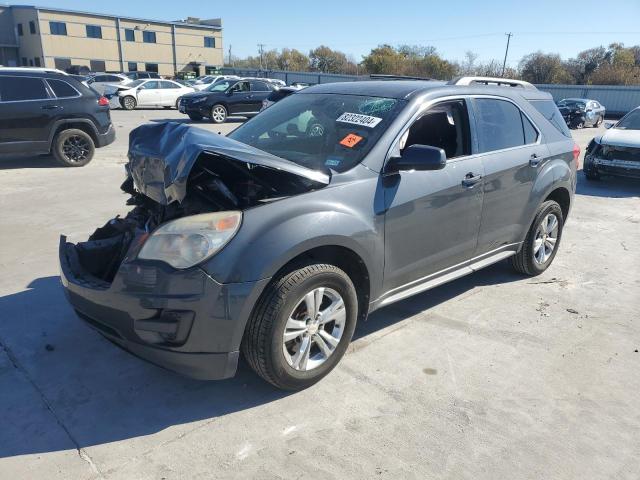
[141, 75]
[277, 95]
[106, 82]
[617, 152]
[226, 97]
[205, 81]
[150, 93]
[275, 241]
[581, 112]
[49, 112]
[78, 70]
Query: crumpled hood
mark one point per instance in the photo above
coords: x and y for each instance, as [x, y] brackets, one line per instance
[161, 155]
[621, 138]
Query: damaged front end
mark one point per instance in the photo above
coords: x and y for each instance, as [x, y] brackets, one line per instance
[602, 158]
[136, 278]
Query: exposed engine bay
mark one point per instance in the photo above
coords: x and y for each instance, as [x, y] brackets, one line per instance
[164, 187]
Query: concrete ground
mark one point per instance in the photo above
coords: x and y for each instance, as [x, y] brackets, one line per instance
[493, 376]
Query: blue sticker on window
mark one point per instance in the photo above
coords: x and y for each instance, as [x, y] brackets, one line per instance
[332, 162]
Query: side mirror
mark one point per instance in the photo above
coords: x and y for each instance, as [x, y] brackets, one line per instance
[418, 157]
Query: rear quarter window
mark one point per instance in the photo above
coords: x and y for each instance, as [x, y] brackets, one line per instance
[62, 89]
[549, 110]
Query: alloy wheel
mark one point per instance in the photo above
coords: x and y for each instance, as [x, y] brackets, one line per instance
[314, 329]
[218, 114]
[76, 148]
[546, 239]
[129, 103]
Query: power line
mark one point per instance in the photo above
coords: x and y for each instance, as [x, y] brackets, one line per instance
[506, 52]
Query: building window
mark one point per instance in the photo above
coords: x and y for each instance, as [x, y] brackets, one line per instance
[58, 28]
[151, 67]
[129, 35]
[149, 37]
[24, 61]
[94, 31]
[210, 42]
[30, 62]
[62, 63]
[37, 61]
[132, 66]
[20, 32]
[97, 65]
[32, 26]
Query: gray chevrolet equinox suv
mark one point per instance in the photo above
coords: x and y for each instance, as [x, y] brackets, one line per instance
[336, 201]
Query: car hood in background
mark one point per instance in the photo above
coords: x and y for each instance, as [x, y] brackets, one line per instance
[161, 155]
[621, 138]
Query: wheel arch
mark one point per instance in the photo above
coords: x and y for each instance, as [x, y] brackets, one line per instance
[81, 124]
[562, 196]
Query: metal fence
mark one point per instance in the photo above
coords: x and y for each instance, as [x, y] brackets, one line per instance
[618, 100]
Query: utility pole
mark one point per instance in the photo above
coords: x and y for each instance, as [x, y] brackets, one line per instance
[506, 52]
[261, 50]
[230, 57]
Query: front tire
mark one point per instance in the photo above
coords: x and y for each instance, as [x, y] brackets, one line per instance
[599, 122]
[73, 148]
[218, 113]
[301, 326]
[128, 102]
[542, 241]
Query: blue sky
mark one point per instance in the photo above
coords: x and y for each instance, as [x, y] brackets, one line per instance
[453, 27]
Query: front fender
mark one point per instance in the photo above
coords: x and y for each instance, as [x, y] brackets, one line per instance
[272, 235]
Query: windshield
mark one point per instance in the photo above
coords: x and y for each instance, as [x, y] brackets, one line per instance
[571, 103]
[321, 131]
[631, 121]
[220, 85]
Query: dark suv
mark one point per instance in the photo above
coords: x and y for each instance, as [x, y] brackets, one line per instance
[226, 97]
[335, 201]
[47, 112]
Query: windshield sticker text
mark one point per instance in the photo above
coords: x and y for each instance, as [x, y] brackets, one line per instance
[359, 119]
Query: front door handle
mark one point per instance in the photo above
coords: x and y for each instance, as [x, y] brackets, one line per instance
[50, 107]
[249, 96]
[470, 179]
[534, 160]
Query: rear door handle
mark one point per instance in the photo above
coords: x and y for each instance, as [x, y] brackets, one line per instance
[470, 179]
[50, 107]
[535, 160]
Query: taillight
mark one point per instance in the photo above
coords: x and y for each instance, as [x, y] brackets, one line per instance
[103, 101]
[576, 155]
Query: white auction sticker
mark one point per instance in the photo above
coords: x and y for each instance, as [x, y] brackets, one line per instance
[359, 119]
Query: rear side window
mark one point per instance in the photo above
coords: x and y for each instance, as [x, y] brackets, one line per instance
[257, 86]
[62, 89]
[14, 89]
[549, 110]
[499, 124]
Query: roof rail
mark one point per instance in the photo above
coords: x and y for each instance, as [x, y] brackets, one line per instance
[381, 76]
[32, 69]
[490, 81]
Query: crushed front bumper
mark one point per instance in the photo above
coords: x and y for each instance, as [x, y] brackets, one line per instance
[182, 320]
[620, 168]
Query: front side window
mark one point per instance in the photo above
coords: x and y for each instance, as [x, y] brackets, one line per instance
[129, 35]
[62, 89]
[151, 85]
[445, 126]
[58, 28]
[499, 125]
[240, 87]
[321, 131]
[94, 31]
[220, 86]
[209, 42]
[13, 89]
[149, 37]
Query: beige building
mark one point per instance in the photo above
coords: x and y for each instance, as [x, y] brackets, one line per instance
[47, 37]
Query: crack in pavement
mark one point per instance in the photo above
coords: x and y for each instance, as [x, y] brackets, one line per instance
[82, 453]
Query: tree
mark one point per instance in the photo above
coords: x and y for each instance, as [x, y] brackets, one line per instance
[327, 60]
[292, 59]
[383, 60]
[541, 67]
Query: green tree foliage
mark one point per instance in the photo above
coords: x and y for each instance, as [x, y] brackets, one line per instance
[541, 67]
[410, 60]
[326, 60]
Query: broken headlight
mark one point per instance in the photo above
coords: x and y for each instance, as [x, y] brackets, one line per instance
[187, 241]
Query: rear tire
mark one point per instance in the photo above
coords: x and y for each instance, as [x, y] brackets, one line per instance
[128, 102]
[542, 241]
[73, 148]
[292, 318]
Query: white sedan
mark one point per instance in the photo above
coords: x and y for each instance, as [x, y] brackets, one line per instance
[149, 93]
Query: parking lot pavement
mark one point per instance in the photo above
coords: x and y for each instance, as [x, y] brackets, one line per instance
[492, 376]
